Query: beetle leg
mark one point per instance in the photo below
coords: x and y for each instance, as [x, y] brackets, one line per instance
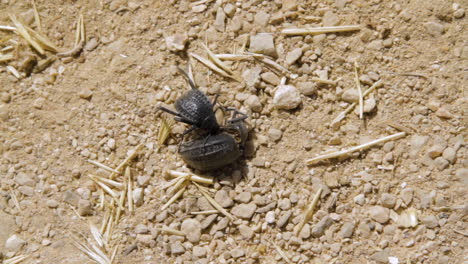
[168, 111]
[215, 100]
[236, 112]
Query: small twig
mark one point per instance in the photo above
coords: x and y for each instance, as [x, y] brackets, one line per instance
[102, 166]
[353, 149]
[14, 198]
[205, 212]
[212, 66]
[217, 61]
[213, 202]
[309, 212]
[190, 176]
[37, 18]
[175, 196]
[7, 28]
[128, 175]
[329, 82]
[319, 30]
[358, 84]
[282, 254]
[460, 232]
[13, 71]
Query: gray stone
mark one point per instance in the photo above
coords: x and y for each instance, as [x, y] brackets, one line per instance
[286, 97]
[208, 221]
[246, 232]
[441, 163]
[359, 199]
[388, 200]
[85, 207]
[229, 9]
[26, 190]
[24, 179]
[430, 221]
[243, 197]
[319, 229]
[263, 43]
[222, 197]
[284, 204]
[204, 204]
[450, 154]
[85, 93]
[283, 218]
[379, 214]
[406, 195]
[270, 217]
[307, 88]
[347, 230]
[219, 23]
[262, 18]
[176, 42]
[293, 56]
[141, 229]
[237, 253]
[192, 230]
[459, 13]
[14, 243]
[199, 252]
[252, 76]
[330, 19]
[270, 78]
[244, 211]
[350, 96]
[434, 29]
[274, 134]
[253, 102]
[138, 196]
[52, 203]
[177, 248]
[380, 256]
[444, 113]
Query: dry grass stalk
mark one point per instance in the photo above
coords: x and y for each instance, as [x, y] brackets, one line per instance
[128, 175]
[13, 71]
[460, 232]
[171, 231]
[217, 61]
[358, 84]
[105, 220]
[6, 57]
[176, 195]
[190, 176]
[319, 30]
[102, 199]
[234, 57]
[43, 40]
[356, 148]
[80, 39]
[400, 127]
[7, 28]
[177, 185]
[37, 18]
[95, 253]
[114, 253]
[212, 201]
[23, 32]
[165, 129]
[282, 254]
[329, 82]
[343, 114]
[102, 166]
[14, 198]
[15, 260]
[96, 234]
[207, 212]
[132, 155]
[121, 204]
[309, 212]
[212, 66]
[118, 185]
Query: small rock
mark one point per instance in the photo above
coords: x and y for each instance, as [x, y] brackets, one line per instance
[270, 217]
[246, 232]
[222, 197]
[111, 143]
[258, 162]
[252, 76]
[143, 180]
[85, 93]
[85, 207]
[435, 151]
[380, 256]
[229, 9]
[274, 134]
[459, 13]
[24, 179]
[462, 175]
[388, 200]
[286, 97]
[379, 214]
[330, 19]
[288, 5]
[253, 102]
[284, 204]
[5, 97]
[359, 199]
[199, 252]
[52, 203]
[14, 243]
[26, 190]
[369, 105]
[243, 197]
[138, 196]
[208, 221]
[270, 78]
[441, 163]
[91, 44]
[244, 211]
[307, 88]
[176, 42]
[199, 8]
[141, 229]
[430, 221]
[262, 18]
[350, 96]
[145, 239]
[192, 230]
[39, 103]
[319, 229]
[263, 43]
[407, 195]
[177, 248]
[435, 29]
[347, 230]
[237, 253]
[450, 154]
[283, 218]
[293, 56]
[375, 44]
[219, 23]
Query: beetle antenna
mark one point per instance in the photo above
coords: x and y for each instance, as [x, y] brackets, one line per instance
[190, 81]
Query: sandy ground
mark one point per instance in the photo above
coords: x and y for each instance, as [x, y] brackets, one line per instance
[102, 103]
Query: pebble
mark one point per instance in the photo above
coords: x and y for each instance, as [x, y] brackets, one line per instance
[85, 207]
[262, 18]
[319, 229]
[307, 88]
[442, 112]
[380, 256]
[253, 102]
[388, 200]
[14, 243]
[205, 223]
[26, 190]
[450, 154]
[430, 221]
[177, 248]
[141, 229]
[462, 175]
[293, 56]
[145, 239]
[286, 97]
[283, 218]
[263, 43]
[246, 232]
[350, 96]
[441, 163]
[199, 8]
[284, 204]
[434, 29]
[24, 179]
[270, 217]
[244, 211]
[435, 151]
[237, 253]
[274, 134]
[347, 230]
[459, 13]
[52, 203]
[138, 196]
[111, 143]
[229, 9]
[5, 97]
[406, 195]
[359, 199]
[222, 197]
[252, 76]
[199, 252]
[243, 197]
[39, 103]
[192, 230]
[219, 23]
[270, 78]
[330, 19]
[91, 44]
[379, 214]
[143, 180]
[85, 93]
[176, 42]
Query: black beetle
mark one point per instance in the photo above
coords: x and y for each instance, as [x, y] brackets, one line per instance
[195, 109]
[215, 151]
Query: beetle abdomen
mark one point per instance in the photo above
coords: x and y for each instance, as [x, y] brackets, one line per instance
[210, 153]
